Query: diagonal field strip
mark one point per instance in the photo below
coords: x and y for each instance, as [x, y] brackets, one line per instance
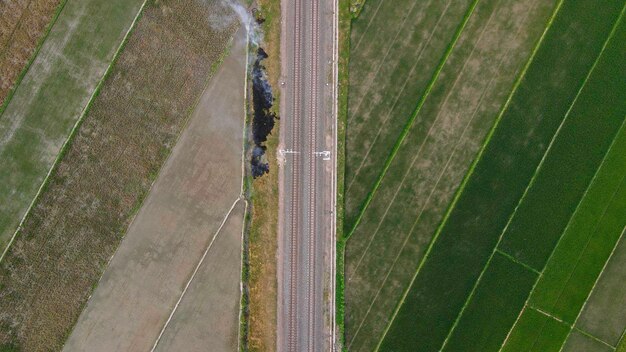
[533, 179]
[74, 129]
[368, 85]
[405, 131]
[428, 135]
[473, 166]
[397, 98]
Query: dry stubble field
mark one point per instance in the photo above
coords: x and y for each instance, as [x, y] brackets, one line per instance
[52, 97]
[105, 173]
[179, 219]
[22, 28]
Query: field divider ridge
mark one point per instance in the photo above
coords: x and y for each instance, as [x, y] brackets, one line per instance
[409, 123]
[516, 261]
[70, 138]
[472, 167]
[532, 182]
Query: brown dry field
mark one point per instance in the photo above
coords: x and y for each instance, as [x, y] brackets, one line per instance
[208, 315]
[192, 196]
[604, 314]
[97, 187]
[23, 25]
[264, 209]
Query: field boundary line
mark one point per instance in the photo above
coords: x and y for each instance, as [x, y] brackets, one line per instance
[409, 123]
[531, 183]
[195, 271]
[74, 129]
[593, 337]
[397, 98]
[32, 58]
[516, 261]
[470, 172]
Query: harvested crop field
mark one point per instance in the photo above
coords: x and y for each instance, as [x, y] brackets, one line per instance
[52, 96]
[523, 189]
[208, 314]
[23, 27]
[106, 171]
[489, 43]
[189, 201]
[196, 189]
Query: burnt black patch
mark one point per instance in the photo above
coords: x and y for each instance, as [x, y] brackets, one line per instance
[263, 119]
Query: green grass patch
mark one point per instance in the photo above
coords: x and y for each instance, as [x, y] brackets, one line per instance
[536, 332]
[497, 301]
[588, 242]
[574, 157]
[496, 182]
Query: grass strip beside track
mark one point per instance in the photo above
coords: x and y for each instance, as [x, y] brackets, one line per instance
[496, 182]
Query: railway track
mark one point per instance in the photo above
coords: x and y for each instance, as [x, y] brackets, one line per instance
[313, 84]
[292, 338]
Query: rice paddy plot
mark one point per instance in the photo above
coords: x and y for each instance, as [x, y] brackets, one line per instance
[536, 332]
[588, 241]
[494, 307]
[390, 67]
[449, 127]
[538, 105]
